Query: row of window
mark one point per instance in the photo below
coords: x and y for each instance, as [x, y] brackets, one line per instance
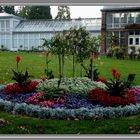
[134, 41]
[121, 19]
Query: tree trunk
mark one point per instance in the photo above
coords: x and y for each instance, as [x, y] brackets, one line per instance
[92, 67]
[59, 57]
[73, 66]
[63, 63]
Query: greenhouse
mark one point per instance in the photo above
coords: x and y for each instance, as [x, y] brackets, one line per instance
[17, 33]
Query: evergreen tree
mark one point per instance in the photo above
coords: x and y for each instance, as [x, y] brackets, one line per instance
[35, 12]
[8, 9]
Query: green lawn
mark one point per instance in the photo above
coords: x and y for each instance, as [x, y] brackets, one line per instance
[11, 124]
[35, 62]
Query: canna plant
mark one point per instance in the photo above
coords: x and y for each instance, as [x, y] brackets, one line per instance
[118, 87]
[21, 78]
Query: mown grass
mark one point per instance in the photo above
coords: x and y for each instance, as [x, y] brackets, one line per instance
[35, 63]
[16, 124]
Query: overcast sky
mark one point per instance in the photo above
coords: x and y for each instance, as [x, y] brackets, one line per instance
[81, 11]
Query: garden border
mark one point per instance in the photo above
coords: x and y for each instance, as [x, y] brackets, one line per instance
[81, 113]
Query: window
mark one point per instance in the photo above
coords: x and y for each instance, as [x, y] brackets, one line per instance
[131, 18]
[109, 18]
[123, 17]
[137, 41]
[130, 41]
[137, 33]
[131, 33]
[2, 26]
[138, 17]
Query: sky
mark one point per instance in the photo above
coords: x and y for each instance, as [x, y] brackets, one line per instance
[81, 11]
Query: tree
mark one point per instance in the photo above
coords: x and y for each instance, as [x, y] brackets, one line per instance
[63, 13]
[1, 9]
[35, 12]
[8, 9]
[24, 11]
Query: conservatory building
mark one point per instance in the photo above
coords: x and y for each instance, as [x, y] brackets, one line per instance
[17, 33]
[124, 22]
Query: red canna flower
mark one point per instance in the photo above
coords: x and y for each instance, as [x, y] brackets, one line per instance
[118, 75]
[18, 58]
[114, 72]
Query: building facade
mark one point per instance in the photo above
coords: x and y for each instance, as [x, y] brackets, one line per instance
[124, 22]
[17, 33]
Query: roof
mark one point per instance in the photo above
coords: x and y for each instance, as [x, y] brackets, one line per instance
[93, 24]
[6, 15]
[122, 8]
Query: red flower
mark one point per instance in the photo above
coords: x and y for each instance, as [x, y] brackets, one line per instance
[114, 71]
[17, 89]
[18, 58]
[100, 96]
[118, 75]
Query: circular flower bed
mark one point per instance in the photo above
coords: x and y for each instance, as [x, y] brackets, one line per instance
[92, 100]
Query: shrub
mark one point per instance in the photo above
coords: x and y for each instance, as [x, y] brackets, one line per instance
[17, 89]
[100, 96]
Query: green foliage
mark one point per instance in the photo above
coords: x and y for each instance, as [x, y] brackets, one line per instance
[8, 9]
[113, 39]
[35, 12]
[63, 13]
[49, 74]
[95, 73]
[51, 92]
[121, 53]
[21, 78]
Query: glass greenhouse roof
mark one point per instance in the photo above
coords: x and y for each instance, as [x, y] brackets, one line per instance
[93, 24]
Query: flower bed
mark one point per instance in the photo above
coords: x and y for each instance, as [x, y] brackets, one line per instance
[74, 103]
[102, 97]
